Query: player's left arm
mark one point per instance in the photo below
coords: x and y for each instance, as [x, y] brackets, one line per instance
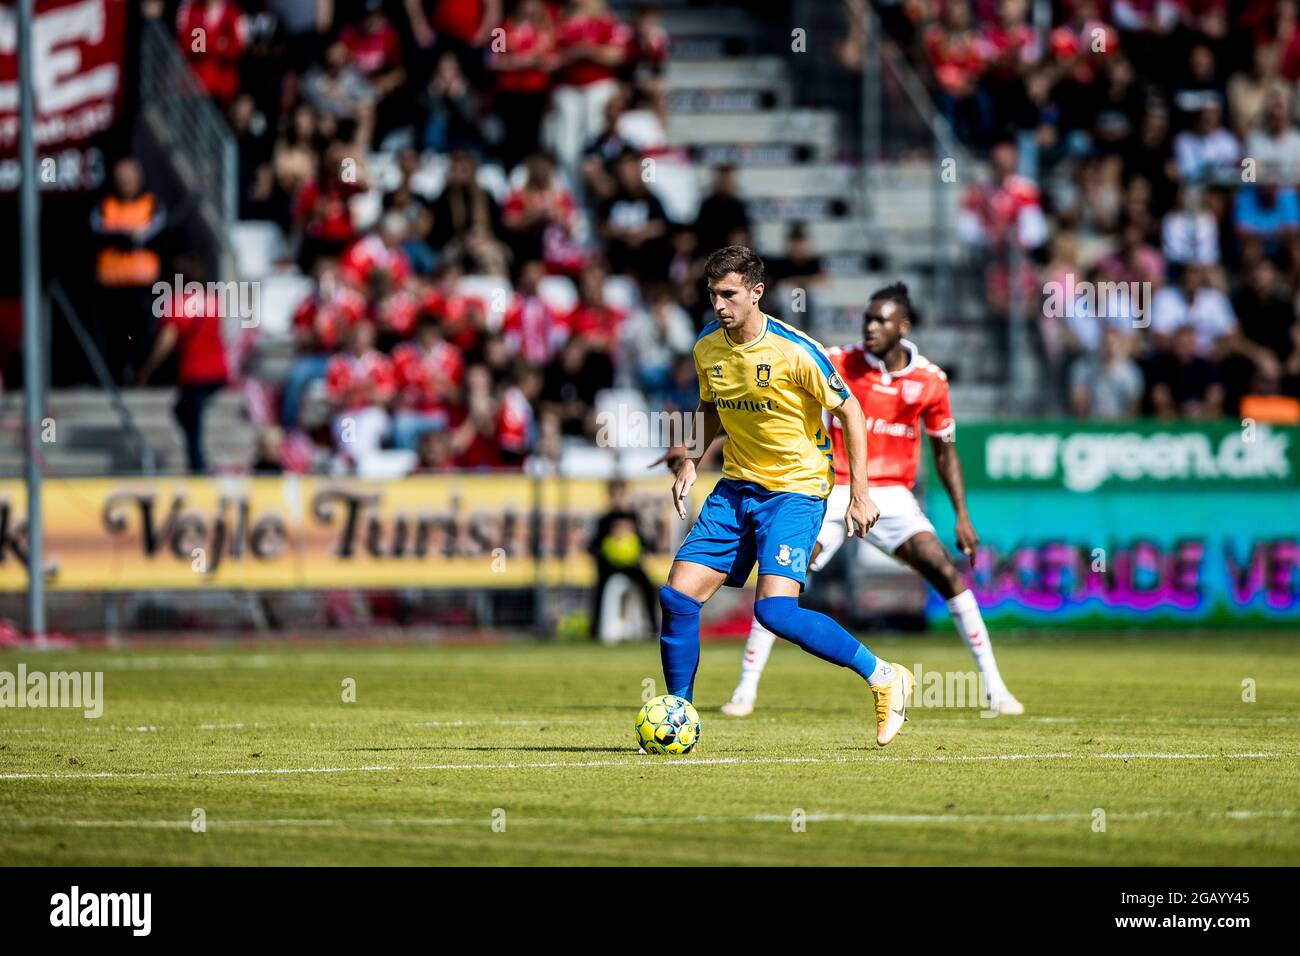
[948, 465]
[815, 374]
[862, 512]
[942, 429]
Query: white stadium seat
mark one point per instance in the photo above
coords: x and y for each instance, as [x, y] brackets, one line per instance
[258, 246]
[281, 293]
[559, 293]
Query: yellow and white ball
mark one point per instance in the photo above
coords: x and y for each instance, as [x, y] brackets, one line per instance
[668, 725]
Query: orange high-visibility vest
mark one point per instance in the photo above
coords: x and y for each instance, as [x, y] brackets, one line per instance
[118, 267]
[1274, 409]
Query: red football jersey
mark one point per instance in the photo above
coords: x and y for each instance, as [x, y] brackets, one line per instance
[212, 37]
[898, 405]
[427, 381]
[354, 383]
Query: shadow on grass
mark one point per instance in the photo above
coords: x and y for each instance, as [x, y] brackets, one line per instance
[503, 749]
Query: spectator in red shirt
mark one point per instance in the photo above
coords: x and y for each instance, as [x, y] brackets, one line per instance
[376, 52]
[523, 80]
[464, 319]
[321, 207]
[321, 324]
[516, 421]
[531, 327]
[540, 218]
[212, 35]
[592, 47]
[376, 264]
[593, 318]
[459, 27]
[429, 376]
[647, 56]
[476, 438]
[1012, 50]
[360, 383]
[192, 328]
[958, 63]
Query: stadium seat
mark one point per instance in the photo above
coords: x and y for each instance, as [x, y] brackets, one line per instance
[389, 463]
[493, 291]
[621, 293]
[559, 293]
[258, 247]
[622, 617]
[366, 208]
[280, 296]
[677, 187]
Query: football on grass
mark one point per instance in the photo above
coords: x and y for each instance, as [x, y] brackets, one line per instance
[667, 725]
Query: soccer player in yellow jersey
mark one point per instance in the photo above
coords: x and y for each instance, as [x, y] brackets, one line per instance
[766, 383]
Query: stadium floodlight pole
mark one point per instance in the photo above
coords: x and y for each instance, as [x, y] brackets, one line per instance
[30, 241]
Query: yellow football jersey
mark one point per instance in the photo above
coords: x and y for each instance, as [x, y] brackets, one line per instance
[770, 393]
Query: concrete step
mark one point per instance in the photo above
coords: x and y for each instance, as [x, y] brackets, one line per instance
[977, 402]
[706, 21]
[66, 463]
[812, 127]
[814, 179]
[827, 235]
[751, 72]
[728, 99]
[90, 439]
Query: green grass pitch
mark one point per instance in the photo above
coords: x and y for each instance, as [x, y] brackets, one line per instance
[524, 754]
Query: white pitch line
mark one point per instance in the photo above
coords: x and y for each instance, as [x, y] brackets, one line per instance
[454, 723]
[782, 818]
[637, 761]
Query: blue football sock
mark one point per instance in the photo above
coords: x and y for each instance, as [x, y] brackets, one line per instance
[679, 640]
[816, 633]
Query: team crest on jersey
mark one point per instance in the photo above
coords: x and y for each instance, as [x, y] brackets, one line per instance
[912, 391]
[717, 370]
[763, 375]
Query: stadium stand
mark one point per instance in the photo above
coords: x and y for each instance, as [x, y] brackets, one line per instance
[493, 180]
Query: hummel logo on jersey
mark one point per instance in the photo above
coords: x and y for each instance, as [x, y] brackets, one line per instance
[717, 370]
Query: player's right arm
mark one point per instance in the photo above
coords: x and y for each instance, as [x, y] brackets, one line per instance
[709, 424]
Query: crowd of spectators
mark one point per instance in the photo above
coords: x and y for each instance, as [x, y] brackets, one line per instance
[535, 118]
[1146, 142]
[1145, 145]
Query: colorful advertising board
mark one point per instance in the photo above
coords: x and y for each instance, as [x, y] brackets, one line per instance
[1141, 523]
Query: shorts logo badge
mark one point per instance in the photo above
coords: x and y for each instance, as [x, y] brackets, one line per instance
[783, 555]
[763, 375]
[912, 391]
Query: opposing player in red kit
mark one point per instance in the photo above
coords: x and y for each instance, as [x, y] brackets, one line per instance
[901, 393]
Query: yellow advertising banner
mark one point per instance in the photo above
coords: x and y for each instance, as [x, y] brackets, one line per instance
[475, 530]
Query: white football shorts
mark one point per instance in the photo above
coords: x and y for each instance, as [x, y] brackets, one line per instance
[901, 519]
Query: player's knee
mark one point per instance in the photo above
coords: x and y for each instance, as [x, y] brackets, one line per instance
[780, 615]
[674, 603]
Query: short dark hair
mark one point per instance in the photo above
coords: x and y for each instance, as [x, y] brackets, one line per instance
[741, 260]
[895, 292]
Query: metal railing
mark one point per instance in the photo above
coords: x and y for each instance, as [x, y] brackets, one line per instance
[148, 462]
[191, 135]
